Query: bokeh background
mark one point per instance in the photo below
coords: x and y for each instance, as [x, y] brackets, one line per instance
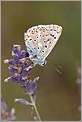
[58, 96]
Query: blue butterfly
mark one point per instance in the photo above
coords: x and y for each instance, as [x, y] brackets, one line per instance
[40, 40]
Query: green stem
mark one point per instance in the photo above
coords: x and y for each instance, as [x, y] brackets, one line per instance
[33, 103]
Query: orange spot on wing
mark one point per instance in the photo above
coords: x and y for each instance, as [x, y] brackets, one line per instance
[27, 37]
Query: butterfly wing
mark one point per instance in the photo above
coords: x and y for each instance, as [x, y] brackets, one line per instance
[53, 36]
[40, 40]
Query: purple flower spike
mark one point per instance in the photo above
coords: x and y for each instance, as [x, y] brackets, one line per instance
[19, 66]
[5, 115]
[20, 70]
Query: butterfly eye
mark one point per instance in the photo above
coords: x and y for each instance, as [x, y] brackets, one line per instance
[42, 50]
[38, 47]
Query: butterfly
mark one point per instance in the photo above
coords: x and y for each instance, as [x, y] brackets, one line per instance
[40, 40]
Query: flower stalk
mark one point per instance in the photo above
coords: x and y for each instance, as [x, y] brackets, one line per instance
[34, 105]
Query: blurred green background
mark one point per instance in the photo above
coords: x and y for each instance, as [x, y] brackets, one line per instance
[58, 96]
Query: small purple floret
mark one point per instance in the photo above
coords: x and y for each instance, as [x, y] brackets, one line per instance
[12, 62]
[30, 87]
[18, 79]
[16, 49]
[13, 70]
[23, 101]
[22, 54]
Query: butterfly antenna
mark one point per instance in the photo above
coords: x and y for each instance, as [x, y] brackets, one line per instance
[56, 67]
[60, 66]
[58, 70]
